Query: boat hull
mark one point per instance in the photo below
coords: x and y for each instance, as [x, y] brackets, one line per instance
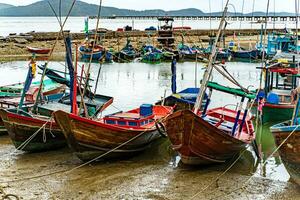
[38, 50]
[275, 113]
[20, 128]
[90, 139]
[290, 150]
[251, 55]
[198, 142]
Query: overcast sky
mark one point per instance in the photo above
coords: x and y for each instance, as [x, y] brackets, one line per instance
[216, 5]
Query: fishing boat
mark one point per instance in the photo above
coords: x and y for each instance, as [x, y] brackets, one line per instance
[187, 53]
[280, 79]
[128, 53]
[150, 54]
[209, 136]
[38, 50]
[289, 151]
[212, 136]
[287, 138]
[15, 90]
[99, 53]
[222, 52]
[32, 128]
[23, 124]
[182, 100]
[131, 131]
[246, 54]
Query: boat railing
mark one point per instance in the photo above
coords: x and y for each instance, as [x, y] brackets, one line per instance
[235, 105]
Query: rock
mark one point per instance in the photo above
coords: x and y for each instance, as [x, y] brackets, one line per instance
[20, 45]
[2, 38]
[20, 40]
[3, 45]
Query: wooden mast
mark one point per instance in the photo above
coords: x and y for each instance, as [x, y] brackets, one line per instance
[209, 68]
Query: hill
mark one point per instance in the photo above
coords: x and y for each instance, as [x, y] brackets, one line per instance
[4, 6]
[41, 8]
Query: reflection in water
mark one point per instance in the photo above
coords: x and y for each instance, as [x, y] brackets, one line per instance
[132, 84]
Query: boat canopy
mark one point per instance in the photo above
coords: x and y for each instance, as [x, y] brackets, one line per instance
[234, 91]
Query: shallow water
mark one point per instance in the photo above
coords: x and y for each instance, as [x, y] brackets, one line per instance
[156, 173]
[76, 24]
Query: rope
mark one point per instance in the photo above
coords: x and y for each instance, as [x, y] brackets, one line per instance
[264, 163]
[26, 142]
[7, 196]
[91, 58]
[219, 176]
[51, 52]
[86, 163]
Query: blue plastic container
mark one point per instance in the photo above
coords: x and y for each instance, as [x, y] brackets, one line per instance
[146, 110]
[273, 98]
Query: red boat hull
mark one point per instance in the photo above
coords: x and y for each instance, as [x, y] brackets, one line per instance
[89, 139]
[20, 128]
[38, 50]
[198, 142]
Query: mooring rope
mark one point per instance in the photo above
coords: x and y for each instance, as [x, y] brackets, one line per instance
[86, 163]
[219, 176]
[249, 179]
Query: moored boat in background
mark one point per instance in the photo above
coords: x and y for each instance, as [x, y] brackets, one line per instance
[38, 50]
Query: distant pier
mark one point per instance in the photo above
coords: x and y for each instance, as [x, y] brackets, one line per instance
[206, 18]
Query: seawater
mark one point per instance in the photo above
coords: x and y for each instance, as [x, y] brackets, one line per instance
[76, 24]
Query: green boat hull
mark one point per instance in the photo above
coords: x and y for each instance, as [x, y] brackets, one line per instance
[275, 114]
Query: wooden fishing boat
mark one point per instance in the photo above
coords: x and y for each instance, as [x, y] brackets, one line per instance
[211, 136]
[128, 53]
[246, 54]
[22, 125]
[187, 53]
[208, 140]
[280, 80]
[182, 100]
[90, 138]
[151, 54]
[98, 54]
[15, 90]
[290, 150]
[12, 99]
[38, 50]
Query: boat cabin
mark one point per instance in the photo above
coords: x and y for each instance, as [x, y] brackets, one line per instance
[280, 79]
[140, 117]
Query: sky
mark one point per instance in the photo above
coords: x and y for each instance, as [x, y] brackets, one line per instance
[216, 5]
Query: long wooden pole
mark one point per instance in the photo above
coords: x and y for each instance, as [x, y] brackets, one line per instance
[51, 53]
[209, 68]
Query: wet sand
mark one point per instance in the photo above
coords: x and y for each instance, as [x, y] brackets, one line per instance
[153, 174]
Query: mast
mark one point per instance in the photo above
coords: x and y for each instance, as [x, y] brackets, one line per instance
[209, 68]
